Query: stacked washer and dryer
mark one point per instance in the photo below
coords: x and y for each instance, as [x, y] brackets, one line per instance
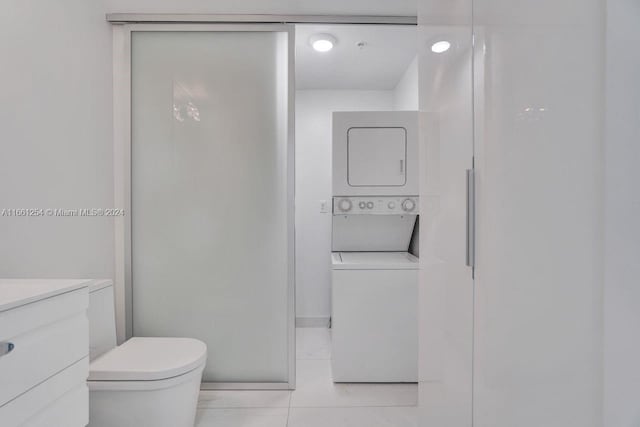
[374, 275]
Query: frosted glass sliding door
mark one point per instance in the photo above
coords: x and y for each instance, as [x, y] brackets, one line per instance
[211, 195]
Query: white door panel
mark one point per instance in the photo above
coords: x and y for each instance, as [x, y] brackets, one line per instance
[446, 284]
[538, 326]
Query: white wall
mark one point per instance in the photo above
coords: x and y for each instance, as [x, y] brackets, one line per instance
[55, 117]
[622, 229]
[313, 183]
[405, 94]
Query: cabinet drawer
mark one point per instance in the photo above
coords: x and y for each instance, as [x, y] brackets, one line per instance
[47, 335]
[62, 400]
[71, 410]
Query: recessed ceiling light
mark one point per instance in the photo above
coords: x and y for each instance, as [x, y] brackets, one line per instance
[440, 46]
[322, 42]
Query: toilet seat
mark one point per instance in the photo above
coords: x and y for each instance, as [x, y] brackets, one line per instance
[174, 382]
[148, 359]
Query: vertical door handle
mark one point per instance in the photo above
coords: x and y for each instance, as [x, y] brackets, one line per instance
[401, 166]
[6, 348]
[471, 218]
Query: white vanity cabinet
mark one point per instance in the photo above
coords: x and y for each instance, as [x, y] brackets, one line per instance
[44, 353]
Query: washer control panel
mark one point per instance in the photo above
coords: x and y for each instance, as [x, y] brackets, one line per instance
[375, 205]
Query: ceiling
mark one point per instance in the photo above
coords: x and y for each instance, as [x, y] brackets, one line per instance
[379, 65]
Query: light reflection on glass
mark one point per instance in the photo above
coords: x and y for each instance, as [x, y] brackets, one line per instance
[532, 114]
[183, 104]
[177, 114]
[193, 112]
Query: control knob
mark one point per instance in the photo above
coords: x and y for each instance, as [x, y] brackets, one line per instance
[408, 205]
[345, 205]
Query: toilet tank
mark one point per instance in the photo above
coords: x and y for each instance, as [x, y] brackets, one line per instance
[102, 318]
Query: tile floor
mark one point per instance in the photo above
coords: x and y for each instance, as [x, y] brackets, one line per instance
[316, 402]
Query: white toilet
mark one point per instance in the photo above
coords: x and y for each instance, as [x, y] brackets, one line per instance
[145, 381]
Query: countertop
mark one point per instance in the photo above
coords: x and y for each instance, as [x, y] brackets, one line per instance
[17, 292]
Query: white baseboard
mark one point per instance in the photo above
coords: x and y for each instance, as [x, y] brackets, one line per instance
[312, 322]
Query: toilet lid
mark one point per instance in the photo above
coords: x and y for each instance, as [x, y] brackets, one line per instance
[147, 359]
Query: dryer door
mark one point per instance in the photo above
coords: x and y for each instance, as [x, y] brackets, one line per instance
[377, 156]
[375, 153]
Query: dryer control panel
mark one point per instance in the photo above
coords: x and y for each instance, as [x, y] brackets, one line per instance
[376, 205]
